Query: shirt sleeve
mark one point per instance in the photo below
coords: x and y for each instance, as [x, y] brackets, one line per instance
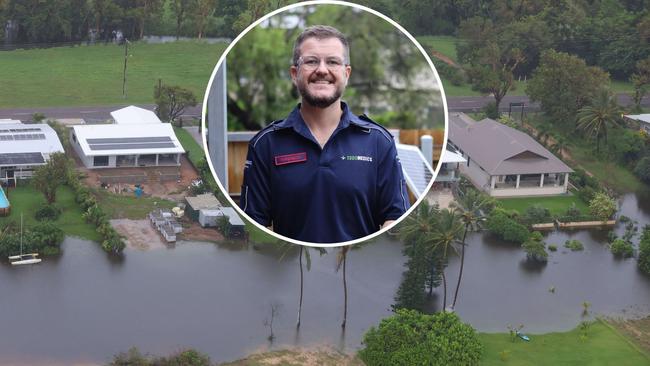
[255, 193]
[393, 198]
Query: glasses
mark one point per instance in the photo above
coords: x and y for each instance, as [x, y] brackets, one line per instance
[311, 63]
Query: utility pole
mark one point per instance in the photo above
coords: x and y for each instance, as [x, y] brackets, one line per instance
[126, 57]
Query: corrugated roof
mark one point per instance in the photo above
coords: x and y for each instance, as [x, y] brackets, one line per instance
[134, 115]
[234, 219]
[645, 118]
[501, 150]
[203, 201]
[28, 138]
[85, 132]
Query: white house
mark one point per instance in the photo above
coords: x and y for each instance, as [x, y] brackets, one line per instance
[642, 119]
[24, 147]
[137, 139]
[505, 162]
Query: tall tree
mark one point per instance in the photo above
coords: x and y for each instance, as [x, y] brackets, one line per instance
[563, 84]
[470, 207]
[171, 101]
[595, 118]
[305, 251]
[47, 178]
[180, 9]
[203, 9]
[341, 261]
[641, 80]
[447, 234]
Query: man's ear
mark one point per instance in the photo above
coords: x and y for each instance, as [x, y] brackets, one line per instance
[293, 71]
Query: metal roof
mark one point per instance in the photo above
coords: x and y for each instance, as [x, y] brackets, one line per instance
[127, 139]
[233, 217]
[417, 171]
[501, 150]
[33, 139]
[203, 201]
[134, 115]
[645, 118]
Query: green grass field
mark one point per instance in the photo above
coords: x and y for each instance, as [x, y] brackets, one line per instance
[92, 75]
[558, 205]
[27, 200]
[603, 346]
[129, 207]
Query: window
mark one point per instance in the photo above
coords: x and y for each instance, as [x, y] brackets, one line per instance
[74, 137]
[100, 161]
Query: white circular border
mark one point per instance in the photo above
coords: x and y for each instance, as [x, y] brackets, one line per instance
[204, 115]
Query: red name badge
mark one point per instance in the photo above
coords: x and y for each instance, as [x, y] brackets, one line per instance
[290, 158]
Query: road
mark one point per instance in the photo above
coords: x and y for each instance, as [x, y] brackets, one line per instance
[455, 104]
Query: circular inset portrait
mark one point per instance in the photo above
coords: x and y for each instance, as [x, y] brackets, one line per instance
[324, 122]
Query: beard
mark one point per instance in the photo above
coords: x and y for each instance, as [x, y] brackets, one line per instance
[319, 101]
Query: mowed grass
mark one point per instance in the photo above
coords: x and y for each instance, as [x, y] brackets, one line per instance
[558, 205]
[603, 346]
[128, 206]
[442, 44]
[92, 75]
[194, 151]
[28, 200]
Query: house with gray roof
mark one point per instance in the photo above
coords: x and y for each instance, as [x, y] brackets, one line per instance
[505, 162]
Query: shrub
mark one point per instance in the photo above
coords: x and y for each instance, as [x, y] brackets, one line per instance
[602, 206]
[536, 214]
[453, 74]
[574, 245]
[622, 248]
[586, 193]
[508, 229]
[491, 111]
[535, 248]
[644, 250]
[47, 212]
[573, 212]
[552, 247]
[47, 234]
[412, 338]
[642, 169]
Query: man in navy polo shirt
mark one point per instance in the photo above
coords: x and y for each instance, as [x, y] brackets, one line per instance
[323, 175]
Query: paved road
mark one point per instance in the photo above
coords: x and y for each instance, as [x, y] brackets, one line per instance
[455, 104]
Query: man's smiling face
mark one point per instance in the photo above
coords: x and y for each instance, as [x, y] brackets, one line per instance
[322, 71]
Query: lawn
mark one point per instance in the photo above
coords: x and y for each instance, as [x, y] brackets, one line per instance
[27, 200]
[558, 205]
[603, 346]
[127, 206]
[92, 75]
[194, 151]
[442, 44]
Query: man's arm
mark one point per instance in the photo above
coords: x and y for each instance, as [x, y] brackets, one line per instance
[255, 198]
[393, 199]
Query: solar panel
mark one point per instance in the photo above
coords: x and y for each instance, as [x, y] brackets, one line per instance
[21, 158]
[152, 145]
[128, 140]
[31, 129]
[6, 137]
[417, 172]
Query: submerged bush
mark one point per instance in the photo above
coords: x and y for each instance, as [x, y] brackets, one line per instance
[622, 248]
[574, 245]
[508, 229]
[536, 248]
[644, 250]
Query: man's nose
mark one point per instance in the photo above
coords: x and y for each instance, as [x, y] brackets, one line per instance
[322, 67]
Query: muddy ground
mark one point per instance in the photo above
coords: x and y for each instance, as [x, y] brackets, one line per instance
[141, 234]
[298, 357]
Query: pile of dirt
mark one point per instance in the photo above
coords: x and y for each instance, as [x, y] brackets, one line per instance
[139, 234]
[299, 357]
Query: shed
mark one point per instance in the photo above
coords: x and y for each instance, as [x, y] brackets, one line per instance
[205, 201]
[236, 228]
[208, 217]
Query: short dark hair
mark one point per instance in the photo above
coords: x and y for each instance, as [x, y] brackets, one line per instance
[320, 32]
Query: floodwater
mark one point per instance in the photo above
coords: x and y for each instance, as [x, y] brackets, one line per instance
[86, 307]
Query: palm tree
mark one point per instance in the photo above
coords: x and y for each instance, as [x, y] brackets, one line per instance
[445, 236]
[341, 260]
[560, 146]
[597, 117]
[417, 229]
[305, 251]
[470, 208]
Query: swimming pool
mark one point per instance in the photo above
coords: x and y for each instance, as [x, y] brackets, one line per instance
[5, 206]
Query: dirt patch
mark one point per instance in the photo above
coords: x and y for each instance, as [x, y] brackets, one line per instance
[299, 357]
[194, 231]
[173, 190]
[140, 234]
[638, 330]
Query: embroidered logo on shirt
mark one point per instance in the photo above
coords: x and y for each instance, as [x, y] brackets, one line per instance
[290, 158]
[248, 164]
[356, 158]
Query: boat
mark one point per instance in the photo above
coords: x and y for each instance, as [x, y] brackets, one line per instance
[523, 336]
[29, 258]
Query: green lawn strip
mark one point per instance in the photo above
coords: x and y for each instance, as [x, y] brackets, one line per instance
[194, 151]
[620, 86]
[558, 205]
[92, 75]
[603, 346]
[610, 173]
[129, 206]
[445, 45]
[27, 200]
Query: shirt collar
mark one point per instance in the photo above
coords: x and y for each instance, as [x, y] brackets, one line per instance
[295, 121]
